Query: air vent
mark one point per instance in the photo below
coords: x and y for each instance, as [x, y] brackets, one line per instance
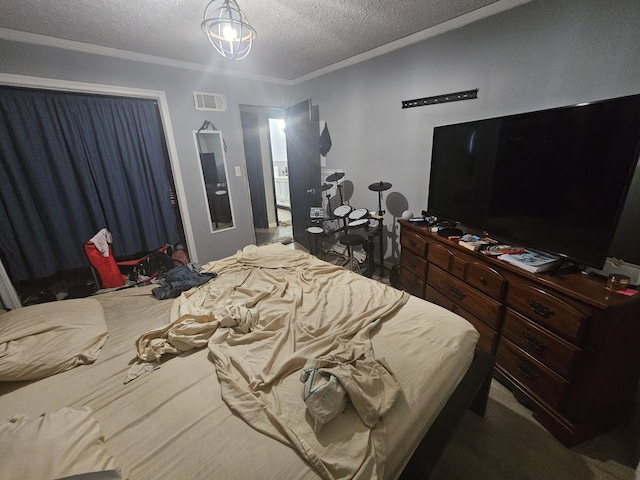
[213, 102]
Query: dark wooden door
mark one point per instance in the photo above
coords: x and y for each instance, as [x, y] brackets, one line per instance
[255, 175]
[303, 157]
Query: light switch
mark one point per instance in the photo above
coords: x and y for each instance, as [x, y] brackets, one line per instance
[238, 171]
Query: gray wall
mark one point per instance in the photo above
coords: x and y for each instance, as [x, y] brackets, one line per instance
[545, 53]
[538, 55]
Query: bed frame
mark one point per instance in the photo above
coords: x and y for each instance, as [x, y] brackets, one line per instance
[472, 393]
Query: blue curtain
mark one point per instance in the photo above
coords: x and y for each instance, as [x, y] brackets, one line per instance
[71, 164]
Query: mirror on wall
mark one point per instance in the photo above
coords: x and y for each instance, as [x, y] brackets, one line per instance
[214, 174]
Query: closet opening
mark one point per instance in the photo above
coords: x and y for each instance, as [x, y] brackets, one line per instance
[87, 161]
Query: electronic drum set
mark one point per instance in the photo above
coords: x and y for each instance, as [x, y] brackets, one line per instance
[345, 222]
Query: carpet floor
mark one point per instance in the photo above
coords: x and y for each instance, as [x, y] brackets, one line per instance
[508, 444]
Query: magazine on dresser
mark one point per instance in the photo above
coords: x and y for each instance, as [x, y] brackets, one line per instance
[531, 260]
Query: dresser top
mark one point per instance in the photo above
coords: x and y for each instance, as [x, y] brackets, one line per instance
[589, 288]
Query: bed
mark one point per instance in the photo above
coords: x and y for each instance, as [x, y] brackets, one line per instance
[224, 406]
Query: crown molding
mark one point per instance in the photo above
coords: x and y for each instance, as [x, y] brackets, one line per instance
[47, 41]
[479, 14]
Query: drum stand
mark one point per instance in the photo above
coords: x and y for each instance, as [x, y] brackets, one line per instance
[327, 207]
[378, 231]
[328, 196]
[316, 226]
[339, 188]
[335, 177]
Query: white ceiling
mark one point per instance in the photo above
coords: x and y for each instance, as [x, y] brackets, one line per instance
[296, 39]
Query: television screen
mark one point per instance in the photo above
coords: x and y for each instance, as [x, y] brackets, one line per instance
[553, 180]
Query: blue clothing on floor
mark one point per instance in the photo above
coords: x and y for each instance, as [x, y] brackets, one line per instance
[180, 279]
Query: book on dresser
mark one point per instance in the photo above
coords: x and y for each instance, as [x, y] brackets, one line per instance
[474, 245]
[472, 242]
[531, 260]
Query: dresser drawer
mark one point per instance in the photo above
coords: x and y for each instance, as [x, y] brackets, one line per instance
[528, 371]
[488, 338]
[434, 296]
[547, 310]
[414, 263]
[414, 242]
[458, 266]
[485, 279]
[556, 353]
[441, 256]
[411, 284]
[475, 302]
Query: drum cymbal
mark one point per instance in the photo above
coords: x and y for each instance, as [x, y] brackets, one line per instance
[334, 177]
[380, 186]
[323, 187]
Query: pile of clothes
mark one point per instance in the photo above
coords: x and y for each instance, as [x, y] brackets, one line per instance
[171, 272]
[180, 279]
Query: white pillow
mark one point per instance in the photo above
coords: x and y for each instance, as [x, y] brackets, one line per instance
[48, 338]
[55, 445]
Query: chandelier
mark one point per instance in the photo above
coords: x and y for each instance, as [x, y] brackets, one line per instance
[227, 29]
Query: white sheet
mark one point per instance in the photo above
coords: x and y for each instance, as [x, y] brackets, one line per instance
[172, 423]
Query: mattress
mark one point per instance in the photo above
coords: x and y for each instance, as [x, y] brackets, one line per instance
[173, 423]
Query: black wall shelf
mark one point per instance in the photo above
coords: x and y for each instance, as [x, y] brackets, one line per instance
[437, 99]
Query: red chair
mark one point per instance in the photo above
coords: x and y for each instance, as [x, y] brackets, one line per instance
[107, 272]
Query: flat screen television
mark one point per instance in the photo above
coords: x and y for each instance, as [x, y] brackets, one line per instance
[553, 180]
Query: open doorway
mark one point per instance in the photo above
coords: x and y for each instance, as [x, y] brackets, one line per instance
[300, 137]
[267, 172]
[280, 166]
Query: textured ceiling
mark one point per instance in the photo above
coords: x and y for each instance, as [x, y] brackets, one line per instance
[295, 38]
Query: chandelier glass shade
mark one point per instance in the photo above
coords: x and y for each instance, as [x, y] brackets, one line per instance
[227, 29]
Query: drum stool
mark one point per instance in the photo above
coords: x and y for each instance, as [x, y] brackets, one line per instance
[315, 232]
[351, 240]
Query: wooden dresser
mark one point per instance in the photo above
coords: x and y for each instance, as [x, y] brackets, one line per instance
[565, 346]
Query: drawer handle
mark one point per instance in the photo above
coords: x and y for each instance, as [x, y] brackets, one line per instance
[533, 342]
[541, 309]
[413, 265]
[412, 243]
[526, 371]
[483, 281]
[456, 292]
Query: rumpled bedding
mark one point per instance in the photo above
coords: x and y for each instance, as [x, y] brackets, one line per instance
[281, 308]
